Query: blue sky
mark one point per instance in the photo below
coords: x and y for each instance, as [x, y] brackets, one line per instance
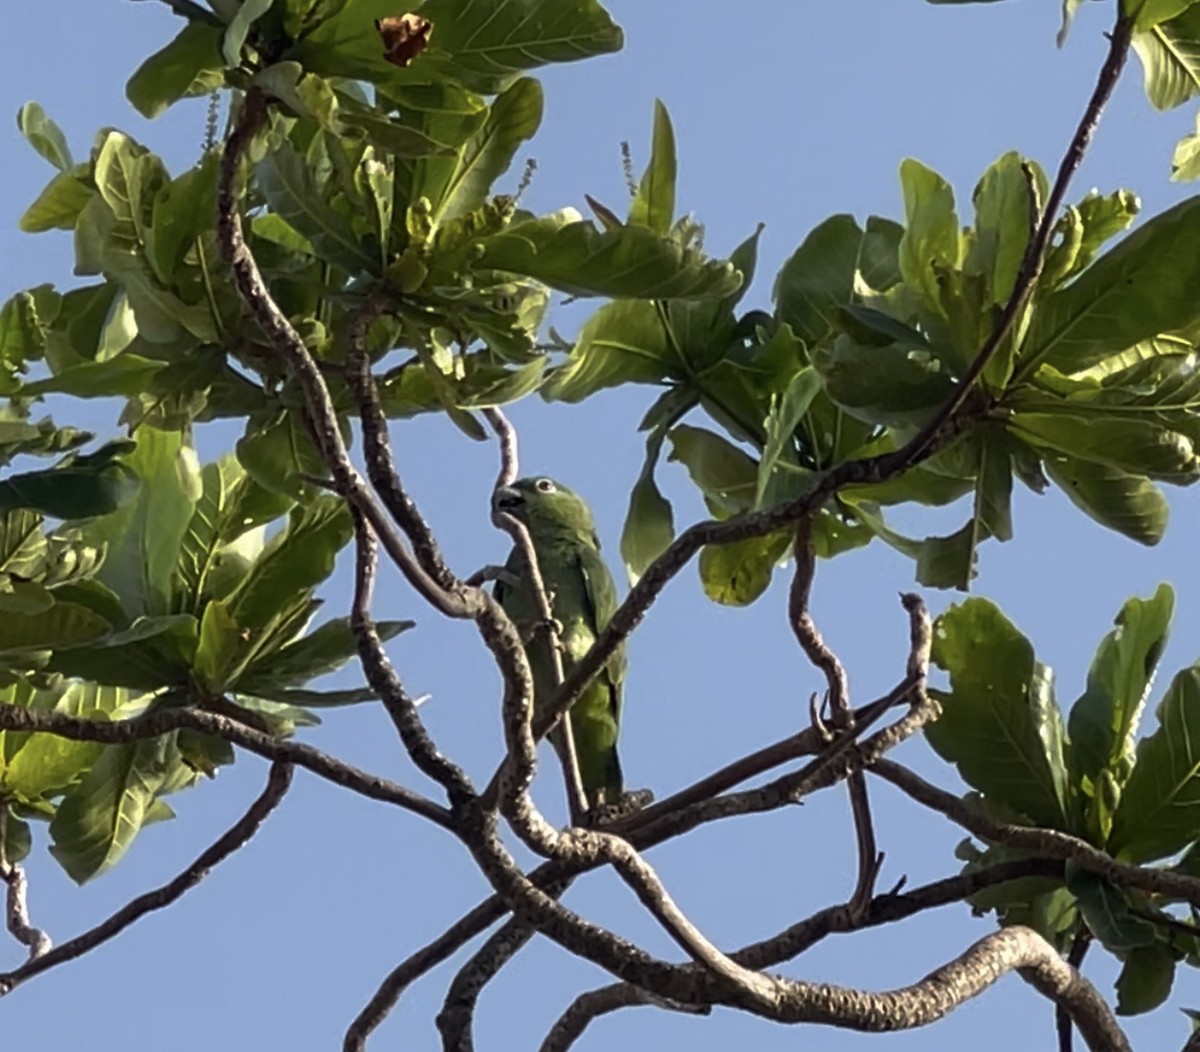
[784, 114]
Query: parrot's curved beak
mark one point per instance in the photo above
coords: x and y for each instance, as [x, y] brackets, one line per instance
[506, 498]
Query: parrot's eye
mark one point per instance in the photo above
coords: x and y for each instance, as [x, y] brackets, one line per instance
[544, 486]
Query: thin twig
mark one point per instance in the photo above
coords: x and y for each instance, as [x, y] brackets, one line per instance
[278, 781]
[16, 906]
[838, 691]
[1062, 1020]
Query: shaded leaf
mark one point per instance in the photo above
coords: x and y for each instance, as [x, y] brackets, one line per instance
[1146, 979]
[191, 64]
[1159, 810]
[1130, 504]
[736, 574]
[999, 724]
[570, 254]
[98, 820]
[1104, 721]
[1106, 913]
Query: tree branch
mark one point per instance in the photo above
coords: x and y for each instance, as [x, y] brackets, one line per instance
[381, 675]
[838, 693]
[1048, 843]
[278, 781]
[162, 721]
[790, 943]
[290, 347]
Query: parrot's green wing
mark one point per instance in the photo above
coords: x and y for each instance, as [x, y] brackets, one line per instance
[601, 593]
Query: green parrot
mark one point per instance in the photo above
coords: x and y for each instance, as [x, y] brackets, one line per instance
[583, 598]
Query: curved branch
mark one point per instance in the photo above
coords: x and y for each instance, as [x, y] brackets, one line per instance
[1048, 843]
[290, 347]
[793, 941]
[399, 704]
[278, 782]
[163, 721]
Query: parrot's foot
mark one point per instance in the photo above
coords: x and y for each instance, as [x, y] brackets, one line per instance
[551, 628]
[631, 801]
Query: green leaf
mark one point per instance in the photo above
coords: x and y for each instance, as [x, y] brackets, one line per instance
[152, 654]
[1170, 54]
[480, 45]
[295, 560]
[1146, 979]
[44, 136]
[62, 625]
[58, 206]
[485, 46]
[1106, 913]
[1082, 230]
[1159, 808]
[654, 203]
[298, 700]
[219, 646]
[1139, 289]
[819, 277]
[514, 118]
[98, 820]
[650, 523]
[278, 455]
[993, 486]
[75, 489]
[1185, 161]
[1002, 210]
[999, 724]
[144, 537]
[248, 12]
[1138, 446]
[932, 243]
[570, 254]
[949, 562]
[183, 211]
[126, 374]
[1130, 504]
[324, 650]
[25, 320]
[189, 65]
[292, 190]
[784, 417]
[736, 574]
[305, 94]
[887, 385]
[726, 476]
[623, 342]
[45, 764]
[1104, 721]
[18, 838]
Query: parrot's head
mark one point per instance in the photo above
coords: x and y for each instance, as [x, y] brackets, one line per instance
[547, 508]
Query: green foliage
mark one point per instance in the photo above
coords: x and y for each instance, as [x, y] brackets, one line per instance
[162, 582]
[1001, 728]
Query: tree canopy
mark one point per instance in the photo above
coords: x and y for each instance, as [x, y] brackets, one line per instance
[338, 261]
